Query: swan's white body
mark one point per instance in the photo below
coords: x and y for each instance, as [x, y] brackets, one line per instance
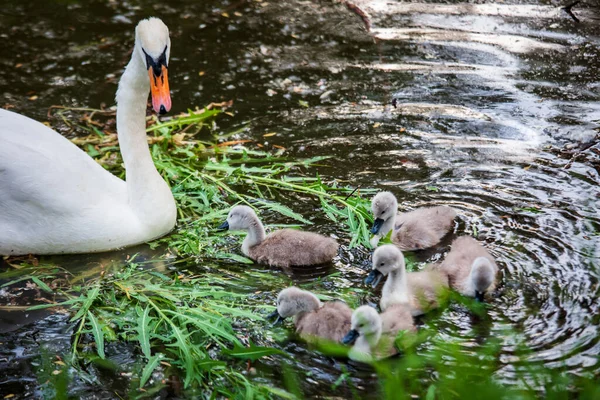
[55, 199]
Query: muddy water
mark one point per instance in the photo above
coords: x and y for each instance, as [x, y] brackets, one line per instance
[483, 94]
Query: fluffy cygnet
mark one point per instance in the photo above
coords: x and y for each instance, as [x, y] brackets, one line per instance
[373, 334]
[470, 268]
[414, 230]
[419, 290]
[282, 248]
[313, 319]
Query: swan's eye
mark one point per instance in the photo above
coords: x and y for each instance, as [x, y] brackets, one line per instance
[381, 264]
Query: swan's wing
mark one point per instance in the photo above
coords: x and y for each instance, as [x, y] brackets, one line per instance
[39, 168]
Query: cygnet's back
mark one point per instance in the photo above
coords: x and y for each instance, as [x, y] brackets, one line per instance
[459, 263]
[426, 287]
[331, 322]
[423, 227]
[397, 318]
[313, 319]
[289, 247]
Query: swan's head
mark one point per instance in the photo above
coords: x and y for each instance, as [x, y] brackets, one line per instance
[293, 301]
[240, 218]
[365, 322]
[483, 274]
[154, 47]
[386, 258]
[384, 207]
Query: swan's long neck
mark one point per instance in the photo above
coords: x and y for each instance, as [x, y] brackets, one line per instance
[148, 194]
[256, 234]
[396, 285]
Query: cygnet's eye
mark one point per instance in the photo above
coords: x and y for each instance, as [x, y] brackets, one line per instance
[383, 212]
[381, 264]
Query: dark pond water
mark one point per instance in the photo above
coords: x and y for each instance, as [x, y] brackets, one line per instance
[484, 94]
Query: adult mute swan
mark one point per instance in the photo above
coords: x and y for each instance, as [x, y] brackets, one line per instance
[55, 199]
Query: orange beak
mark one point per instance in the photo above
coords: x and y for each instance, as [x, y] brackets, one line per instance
[159, 87]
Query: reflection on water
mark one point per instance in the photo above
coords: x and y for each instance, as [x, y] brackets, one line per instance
[482, 90]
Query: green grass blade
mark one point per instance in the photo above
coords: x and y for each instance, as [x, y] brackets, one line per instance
[98, 334]
[143, 330]
[153, 362]
[90, 297]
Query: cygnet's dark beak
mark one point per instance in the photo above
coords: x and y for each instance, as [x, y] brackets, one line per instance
[224, 226]
[278, 318]
[350, 337]
[376, 226]
[374, 278]
[479, 296]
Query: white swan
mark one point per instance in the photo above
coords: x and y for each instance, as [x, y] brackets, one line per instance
[55, 199]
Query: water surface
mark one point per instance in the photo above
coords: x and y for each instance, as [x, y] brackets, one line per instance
[485, 95]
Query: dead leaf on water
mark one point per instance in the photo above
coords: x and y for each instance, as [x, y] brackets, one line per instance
[233, 142]
[32, 98]
[270, 134]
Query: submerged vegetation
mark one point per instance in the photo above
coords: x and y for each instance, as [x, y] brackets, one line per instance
[199, 331]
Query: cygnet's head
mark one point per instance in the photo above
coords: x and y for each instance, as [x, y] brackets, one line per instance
[384, 207]
[386, 258]
[153, 46]
[483, 275]
[293, 301]
[365, 322]
[240, 218]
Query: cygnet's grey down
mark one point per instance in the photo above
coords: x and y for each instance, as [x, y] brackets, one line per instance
[373, 334]
[282, 248]
[471, 270]
[419, 290]
[414, 230]
[313, 319]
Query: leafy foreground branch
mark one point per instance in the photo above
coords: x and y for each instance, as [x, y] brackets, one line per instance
[180, 325]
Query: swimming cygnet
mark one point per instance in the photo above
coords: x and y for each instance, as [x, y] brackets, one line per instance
[414, 230]
[373, 334]
[419, 290]
[282, 248]
[470, 268]
[313, 319]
